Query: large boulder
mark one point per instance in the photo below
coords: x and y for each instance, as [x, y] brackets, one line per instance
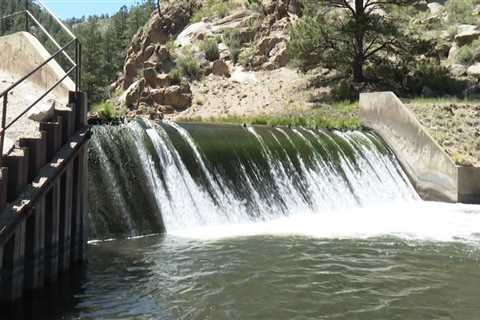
[279, 55]
[458, 70]
[266, 45]
[178, 97]
[435, 8]
[467, 34]
[158, 30]
[474, 70]
[194, 32]
[220, 68]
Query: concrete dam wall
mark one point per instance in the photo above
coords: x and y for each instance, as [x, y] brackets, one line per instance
[432, 171]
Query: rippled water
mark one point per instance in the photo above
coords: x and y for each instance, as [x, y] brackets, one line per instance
[412, 271]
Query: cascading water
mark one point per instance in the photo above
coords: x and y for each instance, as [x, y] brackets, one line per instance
[147, 177]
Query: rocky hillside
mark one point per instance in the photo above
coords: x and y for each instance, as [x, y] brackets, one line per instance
[229, 58]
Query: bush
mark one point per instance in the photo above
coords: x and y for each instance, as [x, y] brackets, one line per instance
[231, 38]
[106, 110]
[460, 11]
[212, 9]
[188, 66]
[465, 55]
[246, 56]
[437, 78]
[175, 76]
[210, 47]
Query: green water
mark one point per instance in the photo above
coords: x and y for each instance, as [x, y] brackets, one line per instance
[272, 277]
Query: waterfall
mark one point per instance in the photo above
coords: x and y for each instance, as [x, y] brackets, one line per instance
[148, 177]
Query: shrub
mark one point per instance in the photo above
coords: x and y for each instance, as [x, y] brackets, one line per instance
[460, 11]
[212, 9]
[188, 65]
[231, 38]
[437, 78]
[106, 110]
[210, 47]
[175, 76]
[345, 91]
[465, 55]
[245, 57]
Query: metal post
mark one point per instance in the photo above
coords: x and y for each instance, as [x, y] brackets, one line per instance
[4, 120]
[77, 67]
[26, 15]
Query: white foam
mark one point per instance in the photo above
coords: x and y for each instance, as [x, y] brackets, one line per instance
[418, 220]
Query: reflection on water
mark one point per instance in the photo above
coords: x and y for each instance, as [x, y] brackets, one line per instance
[269, 277]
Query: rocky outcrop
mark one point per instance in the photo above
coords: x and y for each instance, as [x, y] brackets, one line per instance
[467, 34]
[147, 43]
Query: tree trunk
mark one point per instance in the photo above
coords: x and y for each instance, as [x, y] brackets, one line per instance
[358, 69]
[359, 59]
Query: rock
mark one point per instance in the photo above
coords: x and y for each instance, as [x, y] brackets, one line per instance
[452, 54]
[421, 5]
[131, 96]
[279, 55]
[435, 8]
[220, 68]
[179, 97]
[474, 70]
[467, 34]
[43, 111]
[257, 61]
[194, 32]
[150, 76]
[458, 70]
[267, 44]
[163, 80]
[130, 72]
[443, 49]
[241, 76]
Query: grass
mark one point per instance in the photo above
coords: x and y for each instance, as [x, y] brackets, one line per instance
[342, 116]
[424, 101]
[106, 110]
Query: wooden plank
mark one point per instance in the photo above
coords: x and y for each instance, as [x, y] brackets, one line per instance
[35, 225]
[17, 211]
[66, 202]
[12, 272]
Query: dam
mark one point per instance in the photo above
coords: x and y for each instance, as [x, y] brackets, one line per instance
[146, 219]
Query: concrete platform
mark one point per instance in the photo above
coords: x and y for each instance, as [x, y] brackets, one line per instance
[433, 173]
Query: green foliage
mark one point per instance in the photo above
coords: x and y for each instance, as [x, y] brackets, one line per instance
[246, 56]
[460, 11]
[213, 9]
[310, 120]
[175, 76]
[345, 91]
[465, 55]
[106, 111]
[437, 78]
[188, 65]
[210, 47]
[231, 38]
[306, 39]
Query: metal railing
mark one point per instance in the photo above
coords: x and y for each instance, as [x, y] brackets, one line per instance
[75, 65]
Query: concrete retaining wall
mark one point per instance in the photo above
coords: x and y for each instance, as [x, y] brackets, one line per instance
[431, 170]
[21, 52]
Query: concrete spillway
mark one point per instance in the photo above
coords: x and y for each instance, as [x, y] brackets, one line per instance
[148, 178]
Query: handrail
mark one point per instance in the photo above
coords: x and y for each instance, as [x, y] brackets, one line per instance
[50, 37]
[25, 77]
[64, 27]
[76, 66]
